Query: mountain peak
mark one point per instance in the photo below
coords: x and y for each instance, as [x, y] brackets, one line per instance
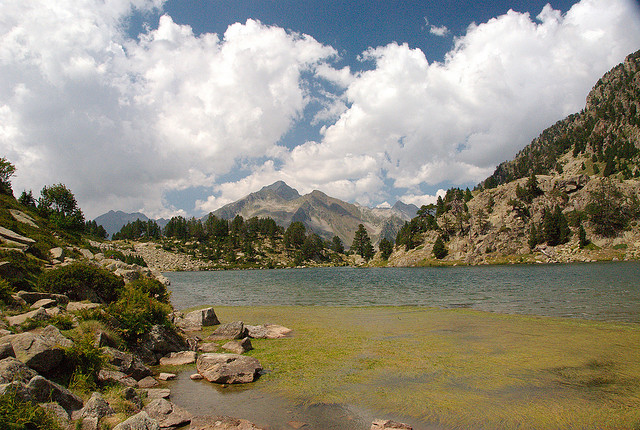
[281, 189]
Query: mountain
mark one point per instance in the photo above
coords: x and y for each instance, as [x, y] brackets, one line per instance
[113, 221]
[320, 213]
[572, 194]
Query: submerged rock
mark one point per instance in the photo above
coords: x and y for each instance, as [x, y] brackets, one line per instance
[167, 414]
[389, 425]
[228, 368]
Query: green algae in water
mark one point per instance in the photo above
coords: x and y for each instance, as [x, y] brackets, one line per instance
[453, 368]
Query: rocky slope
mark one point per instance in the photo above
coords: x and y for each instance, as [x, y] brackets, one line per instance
[580, 163]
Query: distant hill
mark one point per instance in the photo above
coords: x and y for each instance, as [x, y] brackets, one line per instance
[320, 213]
[113, 221]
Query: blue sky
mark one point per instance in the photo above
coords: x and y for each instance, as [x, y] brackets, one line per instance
[180, 106]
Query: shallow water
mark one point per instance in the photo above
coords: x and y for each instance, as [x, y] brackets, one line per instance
[600, 291]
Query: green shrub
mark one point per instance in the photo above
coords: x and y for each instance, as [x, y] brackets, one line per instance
[129, 259]
[62, 322]
[85, 360]
[152, 287]
[82, 281]
[439, 250]
[18, 414]
[5, 291]
[135, 312]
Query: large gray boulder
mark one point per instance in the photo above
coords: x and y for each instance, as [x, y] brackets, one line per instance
[167, 414]
[228, 368]
[140, 421]
[42, 352]
[197, 319]
[39, 314]
[220, 423]
[96, 407]
[232, 330]
[34, 296]
[238, 346]
[159, 342]
[42, 390]
[12, 369]
[127, 363]
[105, 375]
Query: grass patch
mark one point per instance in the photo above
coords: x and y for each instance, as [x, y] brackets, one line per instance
[458, 368]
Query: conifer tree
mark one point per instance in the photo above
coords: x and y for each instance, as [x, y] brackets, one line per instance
[439, 250]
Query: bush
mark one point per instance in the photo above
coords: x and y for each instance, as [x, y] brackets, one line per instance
[18, 414]
[82, 281]
[129, 259]
[153, 288]
[135, 313]
[5, 291]
[85, 360]
[439, 250]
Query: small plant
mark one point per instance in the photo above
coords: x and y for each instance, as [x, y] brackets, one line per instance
[86, 360]
[18, 414]
[81, 281]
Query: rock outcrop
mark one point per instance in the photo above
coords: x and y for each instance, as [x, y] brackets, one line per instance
[228, 368]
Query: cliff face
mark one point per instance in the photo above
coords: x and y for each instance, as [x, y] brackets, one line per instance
[580, 163]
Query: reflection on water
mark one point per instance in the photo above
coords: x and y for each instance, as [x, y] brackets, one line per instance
[267, 410]
[602, 291]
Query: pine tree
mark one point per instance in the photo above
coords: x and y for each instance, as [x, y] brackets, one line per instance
[582, 237]
[362, 243]
[386, 248]
[439, 250]
[533, 236]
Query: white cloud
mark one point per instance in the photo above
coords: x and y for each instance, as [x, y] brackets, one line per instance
[121, 121]
[439, 31]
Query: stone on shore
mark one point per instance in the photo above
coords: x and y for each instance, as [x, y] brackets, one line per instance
[197, 319]
[12, 369]
[238, 346]
[267, 331]
[228, 368]
[140, 421]
[42, 352]
[127, 363]
[96, 407]
[209, 347]
[39, 314]
[158, 393]
[179, 358]
[221, 423]
[229, 331]
[389, 425]
[79, 306]
[159, 342]
[148, 382]
[105, 375]
[167, 414]
[42, 390]
[166, 376]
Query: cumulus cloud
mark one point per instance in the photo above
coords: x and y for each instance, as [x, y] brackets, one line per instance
[121, 120]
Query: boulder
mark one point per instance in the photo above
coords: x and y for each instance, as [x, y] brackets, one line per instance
[148, 382]
[39, 314]
[34, 296]
[44, 303]
[209, 347]
[40, 353]
[197, 319]
[131, 395]
[160, 340]
[220, 423]
[196, 377]
[105, 375]
[267, 331]
[23, 218]
[127, 274]
[42, 390]
[127, 363]
[238, 346]
[166, 376]
[57, 411]
[52, 335]
[6, 350]
[140, 421]
[228, 368]
[12, 369]
[79, 306]
[232, 330]
[167, 414]
[86, 253]
[158, 393]
[12, 237]
[179, 358]
[96, 407]
[389, 425]
[57, 254]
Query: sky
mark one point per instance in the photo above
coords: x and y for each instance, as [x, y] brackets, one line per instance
[178, 107]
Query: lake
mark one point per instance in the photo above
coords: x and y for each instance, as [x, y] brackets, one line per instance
[599, 291]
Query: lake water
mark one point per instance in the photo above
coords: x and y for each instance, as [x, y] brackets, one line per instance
[599, 291]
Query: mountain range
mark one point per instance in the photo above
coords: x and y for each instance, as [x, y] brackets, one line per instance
[327, 216]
